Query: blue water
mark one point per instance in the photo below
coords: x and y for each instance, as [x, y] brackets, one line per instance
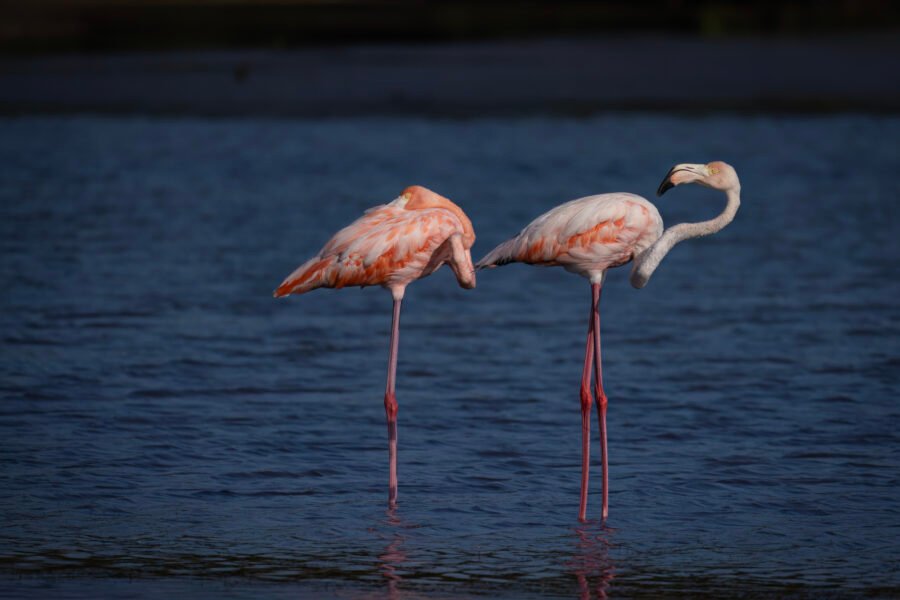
[169, 428]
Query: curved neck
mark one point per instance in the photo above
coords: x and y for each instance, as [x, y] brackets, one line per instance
[646, 262]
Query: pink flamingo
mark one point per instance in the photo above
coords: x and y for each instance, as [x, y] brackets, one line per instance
[392, 245]
[590, 235]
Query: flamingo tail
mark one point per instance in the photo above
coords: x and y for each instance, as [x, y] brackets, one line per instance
[503, 254]
[305, 278]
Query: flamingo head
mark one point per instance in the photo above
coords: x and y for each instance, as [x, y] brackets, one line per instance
[717, 175]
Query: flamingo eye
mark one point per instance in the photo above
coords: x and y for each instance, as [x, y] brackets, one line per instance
[713, 170]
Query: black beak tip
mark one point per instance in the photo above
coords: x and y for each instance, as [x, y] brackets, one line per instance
[665, 186]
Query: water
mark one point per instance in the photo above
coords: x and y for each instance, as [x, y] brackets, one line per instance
[168, 428]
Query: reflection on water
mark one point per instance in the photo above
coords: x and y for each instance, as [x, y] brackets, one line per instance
[393, 556]
[592, 565]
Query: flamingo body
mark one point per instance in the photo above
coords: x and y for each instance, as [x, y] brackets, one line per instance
[390, 245]
[585, 236]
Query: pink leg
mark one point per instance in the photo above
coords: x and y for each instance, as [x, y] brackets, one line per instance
[601, 397]
[390, 405]
[586, 402]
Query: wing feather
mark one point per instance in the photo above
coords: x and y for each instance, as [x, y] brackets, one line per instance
[599, 230]
[387, 244]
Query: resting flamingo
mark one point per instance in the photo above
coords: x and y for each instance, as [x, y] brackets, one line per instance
[590, 235]
[391, 246]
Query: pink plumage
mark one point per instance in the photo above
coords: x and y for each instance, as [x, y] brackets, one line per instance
[585, 236]
[390, 245]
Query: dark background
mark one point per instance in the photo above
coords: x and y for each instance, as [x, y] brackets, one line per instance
[458, 59]
[98, 25]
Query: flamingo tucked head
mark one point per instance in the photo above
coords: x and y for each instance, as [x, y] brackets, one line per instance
[717, 175]
[416, 197]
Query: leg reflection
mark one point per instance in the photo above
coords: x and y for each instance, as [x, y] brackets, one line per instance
[393, 556]
[591, 564]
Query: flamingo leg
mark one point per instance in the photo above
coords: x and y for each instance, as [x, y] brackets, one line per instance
[596, 288]
[586, 401]
[390, 405]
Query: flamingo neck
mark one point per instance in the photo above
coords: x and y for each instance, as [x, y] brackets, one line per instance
[646, 262]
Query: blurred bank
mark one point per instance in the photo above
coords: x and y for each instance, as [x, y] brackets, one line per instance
[316, 58]
[110, 25]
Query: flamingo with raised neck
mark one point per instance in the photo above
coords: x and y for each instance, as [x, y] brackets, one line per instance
[590, 235]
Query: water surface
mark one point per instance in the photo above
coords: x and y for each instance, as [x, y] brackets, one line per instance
[167, 427]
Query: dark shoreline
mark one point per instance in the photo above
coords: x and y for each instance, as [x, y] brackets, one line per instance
[551, 76]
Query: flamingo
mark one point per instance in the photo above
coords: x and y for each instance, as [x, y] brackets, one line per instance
[590, 235]
[392, 245]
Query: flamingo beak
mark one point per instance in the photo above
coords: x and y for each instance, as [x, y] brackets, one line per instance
[684, 173]
[666, 184]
